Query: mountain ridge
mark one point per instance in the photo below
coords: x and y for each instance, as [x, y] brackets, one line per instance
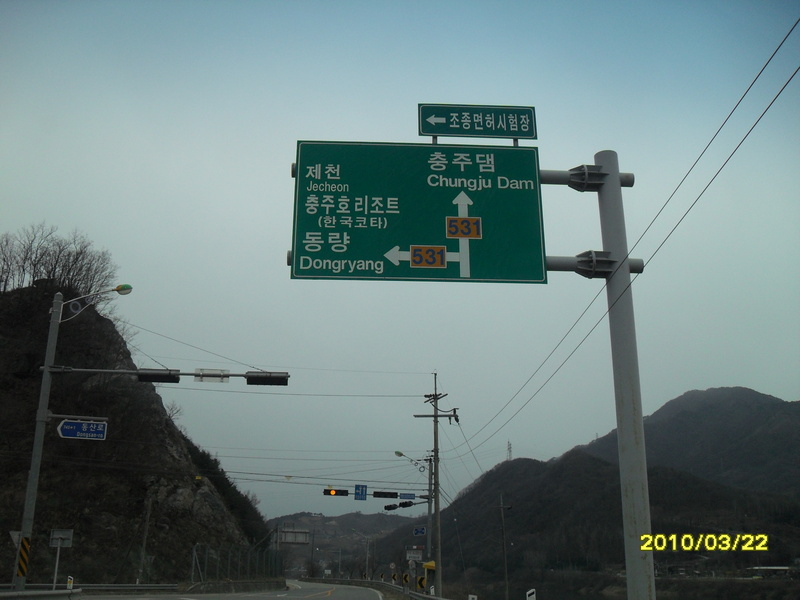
[566, 515]
[734, 436]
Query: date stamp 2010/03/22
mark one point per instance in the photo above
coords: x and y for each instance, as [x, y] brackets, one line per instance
[709, 542]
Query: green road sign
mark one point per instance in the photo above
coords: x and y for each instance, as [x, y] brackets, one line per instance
[477, 121]
[417, 212]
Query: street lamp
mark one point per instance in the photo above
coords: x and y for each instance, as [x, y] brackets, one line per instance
[24, 548]
[422, 468]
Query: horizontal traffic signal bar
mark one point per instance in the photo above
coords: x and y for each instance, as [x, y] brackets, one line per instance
[159, 375]
[332, 492]
[267, 378]
[174, 375]
[384, 494]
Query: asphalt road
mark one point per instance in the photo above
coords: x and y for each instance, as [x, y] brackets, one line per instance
[297, 589]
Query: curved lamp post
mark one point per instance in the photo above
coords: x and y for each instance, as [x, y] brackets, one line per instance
[24, 547]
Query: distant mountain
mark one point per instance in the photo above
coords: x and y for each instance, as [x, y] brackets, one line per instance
[566, 517]
[566, 514]
[734, 436]
[335, 542]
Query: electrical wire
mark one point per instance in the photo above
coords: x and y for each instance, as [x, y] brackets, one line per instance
[303, 394]
[664, 241]
[228, 359]
[660, 211]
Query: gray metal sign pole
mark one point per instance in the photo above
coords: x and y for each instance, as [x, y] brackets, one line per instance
[627, 388]
[604, 178]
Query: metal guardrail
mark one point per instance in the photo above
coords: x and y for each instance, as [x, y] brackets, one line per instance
[44, 591]
[41, 594]
[131, 587]
[380, 585]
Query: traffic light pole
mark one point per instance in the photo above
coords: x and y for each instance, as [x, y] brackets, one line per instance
[24, 547]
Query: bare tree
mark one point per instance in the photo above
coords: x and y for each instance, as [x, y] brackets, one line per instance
[6, 261]
[174, 410]
[37, 252]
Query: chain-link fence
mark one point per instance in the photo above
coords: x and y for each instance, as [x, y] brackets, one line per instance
[234, 563]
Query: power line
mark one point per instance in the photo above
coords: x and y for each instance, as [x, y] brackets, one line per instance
[580, 317]
[303, 394]
[228, 359]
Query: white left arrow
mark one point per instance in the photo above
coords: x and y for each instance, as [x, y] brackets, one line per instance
[395, 255]
[433, 120]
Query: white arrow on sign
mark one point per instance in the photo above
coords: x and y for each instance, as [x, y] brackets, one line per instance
[463, 202]
[395, 255]
[434, 120]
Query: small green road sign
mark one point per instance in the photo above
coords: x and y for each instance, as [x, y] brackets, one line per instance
[417, 212]
[462, 120]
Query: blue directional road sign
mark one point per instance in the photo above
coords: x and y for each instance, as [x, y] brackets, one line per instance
[83, 430]
[361, 492]
[419, 531]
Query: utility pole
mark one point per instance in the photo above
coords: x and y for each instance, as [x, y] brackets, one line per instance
[437, 515]
[504, 508]
[433, 399]
[429, 529]
[140, 579]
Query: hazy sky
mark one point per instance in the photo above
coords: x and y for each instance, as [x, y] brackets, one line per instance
[165, 131]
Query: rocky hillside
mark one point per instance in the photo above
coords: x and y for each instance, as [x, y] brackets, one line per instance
[145, 478]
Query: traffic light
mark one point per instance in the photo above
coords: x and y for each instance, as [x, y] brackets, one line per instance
[396, 506]
[266, 378]
[159, 375]
[332, 492]
[384, 494]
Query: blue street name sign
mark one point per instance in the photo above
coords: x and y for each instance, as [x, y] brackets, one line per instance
[408, 496]
[83, 430]
[361, 492]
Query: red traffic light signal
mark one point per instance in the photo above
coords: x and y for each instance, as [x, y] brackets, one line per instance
[332, 492]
